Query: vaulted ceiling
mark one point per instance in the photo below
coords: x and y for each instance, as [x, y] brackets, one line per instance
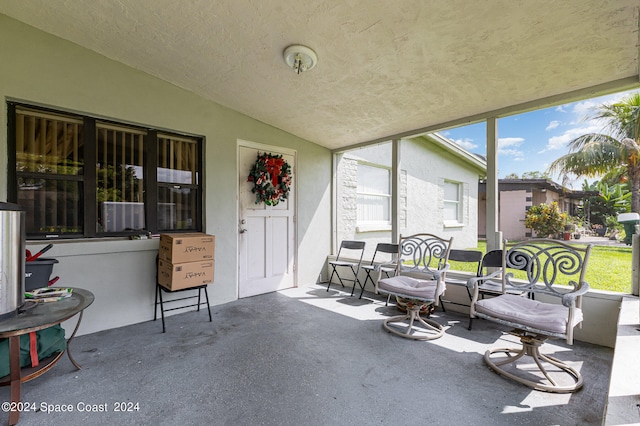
[384, 68]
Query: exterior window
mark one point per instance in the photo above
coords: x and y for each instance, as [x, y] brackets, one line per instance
[178, 189]
[75, 171]
[452, 202]
[374, 195]
[49, 171]
[119, 179]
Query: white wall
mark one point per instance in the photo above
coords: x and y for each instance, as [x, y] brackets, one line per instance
[43, 69]
[427, 166]
[424, 168]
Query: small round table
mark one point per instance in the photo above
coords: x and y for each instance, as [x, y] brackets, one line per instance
[43, 315]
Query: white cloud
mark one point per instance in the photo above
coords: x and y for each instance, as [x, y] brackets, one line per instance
[585, 108]
[553, 125]
[560, 108]
[507, 146]
[505, 142]
[516, 153]
[561, 141]
[466, 143]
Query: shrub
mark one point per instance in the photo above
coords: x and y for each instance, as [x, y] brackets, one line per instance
[545, 219]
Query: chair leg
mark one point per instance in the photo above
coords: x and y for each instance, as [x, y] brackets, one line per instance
[531, 347]
[368, 278]
[155, 306]
[429, 329]
[161, 308]
[206, 296]
[355, 280]
[331, 277]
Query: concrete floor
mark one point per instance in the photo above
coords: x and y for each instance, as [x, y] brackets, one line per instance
[303, 357]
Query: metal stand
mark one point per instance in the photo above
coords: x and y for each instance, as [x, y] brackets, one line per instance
[160, 301]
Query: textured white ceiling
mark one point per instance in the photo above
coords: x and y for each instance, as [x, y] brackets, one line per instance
[385, 67]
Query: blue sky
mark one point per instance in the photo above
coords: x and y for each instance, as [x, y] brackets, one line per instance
[530, 142]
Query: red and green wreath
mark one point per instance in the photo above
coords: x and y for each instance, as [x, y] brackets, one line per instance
[271, 177]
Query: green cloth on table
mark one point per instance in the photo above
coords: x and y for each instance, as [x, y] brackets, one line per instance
[49, 341]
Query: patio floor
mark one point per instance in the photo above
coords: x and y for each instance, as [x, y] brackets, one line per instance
[304, 356]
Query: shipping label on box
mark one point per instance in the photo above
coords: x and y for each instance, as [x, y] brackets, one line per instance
[176, 276]
[187, 247]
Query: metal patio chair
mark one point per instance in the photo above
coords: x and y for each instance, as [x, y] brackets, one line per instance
[555, 271]
[466, 256]
[345, 261]
[386, 267]
[418, 284]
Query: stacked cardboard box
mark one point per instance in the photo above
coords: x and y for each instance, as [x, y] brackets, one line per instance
[186, 260]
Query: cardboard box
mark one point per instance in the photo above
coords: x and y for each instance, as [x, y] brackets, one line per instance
[187, 247]
[176, 276]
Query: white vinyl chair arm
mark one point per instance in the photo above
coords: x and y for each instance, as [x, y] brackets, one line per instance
[569, 299]
[473, 281]
[438, 273]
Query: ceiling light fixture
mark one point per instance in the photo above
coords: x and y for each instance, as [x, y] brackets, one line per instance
[300, 58]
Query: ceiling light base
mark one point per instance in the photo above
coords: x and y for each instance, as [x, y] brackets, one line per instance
[300, 58]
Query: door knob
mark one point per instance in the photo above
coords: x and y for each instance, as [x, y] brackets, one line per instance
[242, 230]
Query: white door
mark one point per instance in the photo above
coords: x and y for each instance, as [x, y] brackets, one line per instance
[266, 233]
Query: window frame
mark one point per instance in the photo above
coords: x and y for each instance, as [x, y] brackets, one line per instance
[374, 225]
[459, 203]
[88, 179]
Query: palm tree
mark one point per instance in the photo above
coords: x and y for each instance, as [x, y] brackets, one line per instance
[616, 150]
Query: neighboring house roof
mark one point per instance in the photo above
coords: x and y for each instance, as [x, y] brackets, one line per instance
[450, 146]
[540, 184]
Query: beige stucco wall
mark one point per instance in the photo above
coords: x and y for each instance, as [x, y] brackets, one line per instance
[42, 69]
[513, 207]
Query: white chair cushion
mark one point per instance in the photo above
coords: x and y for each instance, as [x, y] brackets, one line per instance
[412, 287]
[342, 263]
[520, 310]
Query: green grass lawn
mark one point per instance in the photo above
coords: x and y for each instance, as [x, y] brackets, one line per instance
[609, 268]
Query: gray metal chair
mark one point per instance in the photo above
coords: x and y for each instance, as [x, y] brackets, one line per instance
[555, 271]
[386, 267]
[348, 252]
[418, 284]
[466, 256]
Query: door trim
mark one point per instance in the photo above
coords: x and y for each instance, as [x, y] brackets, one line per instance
[294, 167]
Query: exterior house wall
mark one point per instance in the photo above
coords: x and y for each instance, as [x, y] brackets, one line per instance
[513, 204]
[427, 167]
[513, 207]
[424, 167]
[42, 69]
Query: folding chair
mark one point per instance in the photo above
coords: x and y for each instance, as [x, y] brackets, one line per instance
[491, 261]
[386, 267]
[467, 256]
[348, 250]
